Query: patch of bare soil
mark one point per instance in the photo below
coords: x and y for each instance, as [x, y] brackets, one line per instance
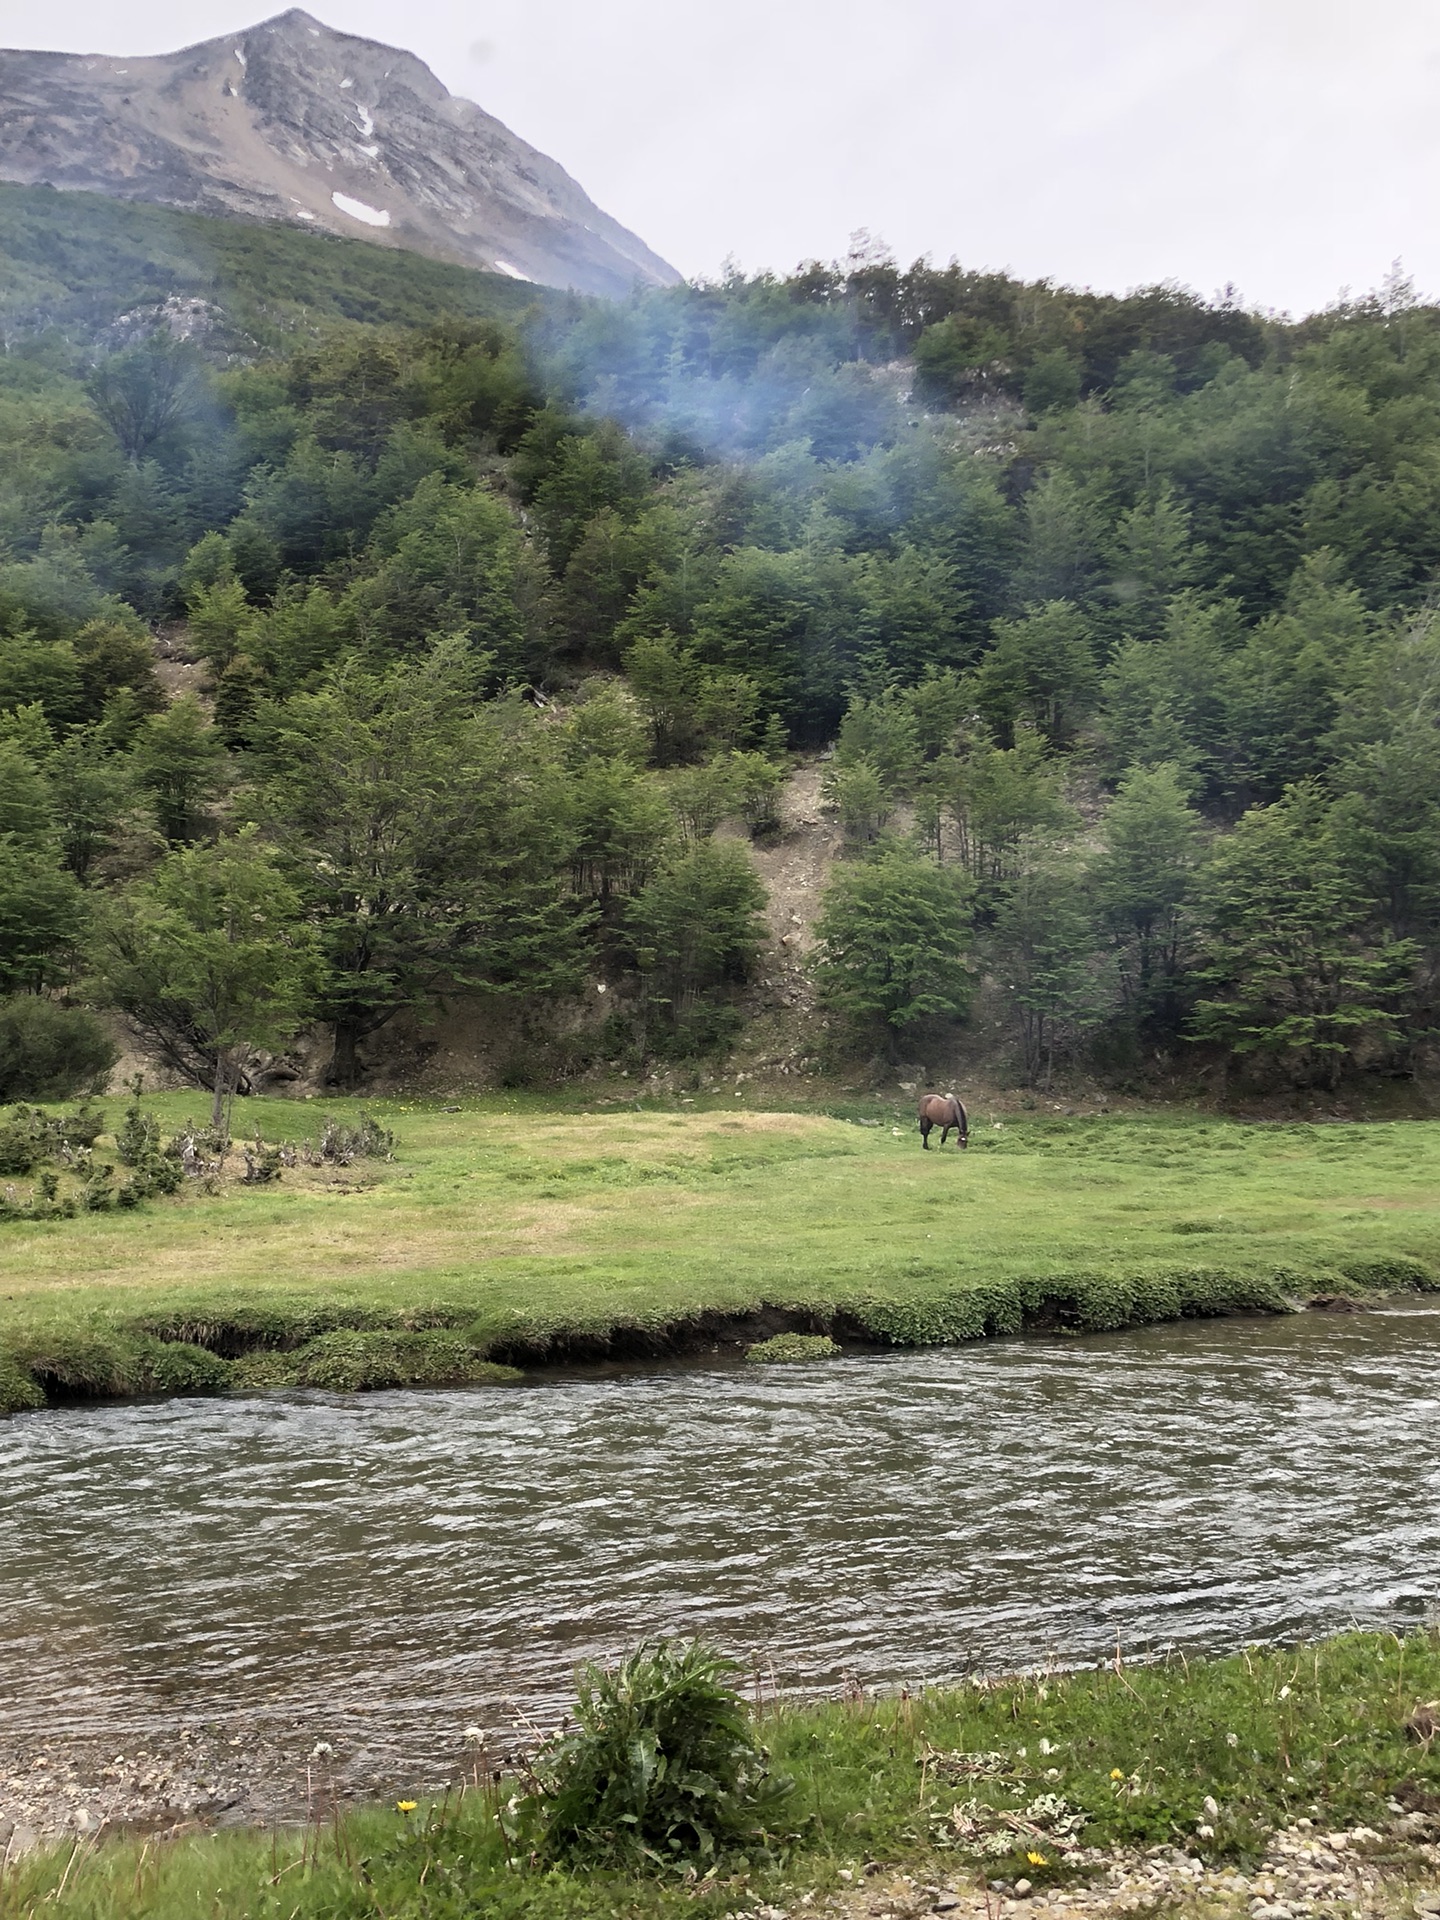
[795, 867]
[178, 668]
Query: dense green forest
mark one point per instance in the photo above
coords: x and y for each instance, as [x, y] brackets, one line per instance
[1114, 618]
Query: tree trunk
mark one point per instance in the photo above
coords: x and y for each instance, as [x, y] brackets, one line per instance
[221, 1088]
[345, 1058]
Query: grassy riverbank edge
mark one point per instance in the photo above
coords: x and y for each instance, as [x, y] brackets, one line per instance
[1230, 1781]
[229, 1346]
[509, 1236]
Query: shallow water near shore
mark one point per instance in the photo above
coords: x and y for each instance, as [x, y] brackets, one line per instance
[381, 1572]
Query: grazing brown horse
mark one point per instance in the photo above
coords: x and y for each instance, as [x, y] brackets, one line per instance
[943, 1110]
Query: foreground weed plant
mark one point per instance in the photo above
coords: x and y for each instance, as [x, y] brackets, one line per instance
[663, 1769]
[669, 1798]
[661, 1801]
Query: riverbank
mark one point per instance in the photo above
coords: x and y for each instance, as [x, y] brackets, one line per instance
[1277, 1784]
[511, 1232]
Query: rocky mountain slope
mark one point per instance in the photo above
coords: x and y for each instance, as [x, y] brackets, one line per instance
[290, 121]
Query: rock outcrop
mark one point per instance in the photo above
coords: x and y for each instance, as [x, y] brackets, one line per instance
[290, 121]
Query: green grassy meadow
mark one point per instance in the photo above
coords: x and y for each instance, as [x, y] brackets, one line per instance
[1129, 1758]
[513, 1220]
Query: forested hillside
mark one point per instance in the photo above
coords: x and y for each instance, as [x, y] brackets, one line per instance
[1114, 615]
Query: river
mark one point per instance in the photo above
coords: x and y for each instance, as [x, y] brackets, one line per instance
[383, 1571]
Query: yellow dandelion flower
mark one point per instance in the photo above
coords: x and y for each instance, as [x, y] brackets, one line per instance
[1037, 1859]
[406, 1806]
[1116, 1774]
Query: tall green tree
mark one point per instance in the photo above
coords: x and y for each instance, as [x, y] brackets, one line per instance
[1140, 878]
[620, 823]
[444, 561]
[696, 925]
[97, 803]
[179, 757]
[981, 806]
[1294, 672]
[1061, 552]
[893, 937]
[42, 914]
[1153, 559]
[210, 959]
[1041, 673]
[1173, 700]
[428, 837]
[1043, 945]
[1290, 969]
[148, 392]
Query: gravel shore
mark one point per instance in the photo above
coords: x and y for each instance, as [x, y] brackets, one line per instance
[203, 1776]
[1307, 1873]
[193, 1777]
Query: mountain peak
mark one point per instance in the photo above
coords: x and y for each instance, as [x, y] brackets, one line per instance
[290, 120]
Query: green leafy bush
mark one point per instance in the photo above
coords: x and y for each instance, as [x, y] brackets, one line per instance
[25, 1141]
[29, 1137]
[99, 1366]
[138, 1137]
[1394, 1274]
[174, 1367]
[1092, 1302]
[153, 1171]
[892, 936]
[152, 1175]
[662, 1770]
[48, 1052]
[792, 1346]
[18, 1392]
[352, 1360]
[83, 1127]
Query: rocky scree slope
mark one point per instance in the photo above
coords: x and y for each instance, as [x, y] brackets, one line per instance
[291, 121]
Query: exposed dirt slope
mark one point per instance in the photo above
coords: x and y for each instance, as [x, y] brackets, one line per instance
[796, 869]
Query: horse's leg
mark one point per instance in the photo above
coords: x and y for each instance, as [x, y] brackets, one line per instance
[925, 1135]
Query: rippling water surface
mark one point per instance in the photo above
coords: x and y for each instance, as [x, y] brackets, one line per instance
[382, 1566]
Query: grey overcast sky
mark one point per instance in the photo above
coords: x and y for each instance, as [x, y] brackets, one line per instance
[1291, 147]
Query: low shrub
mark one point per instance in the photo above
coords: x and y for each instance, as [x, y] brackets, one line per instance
[137, 1138]
[102, 1366]
[174, 1367]
[1090, 1302]
[150, 1175]
[263, 1163]
[341, 1146]
[49, 1051]
[82, 1128]
[787, 1347]
[663, 1768]
[702, 1031]
[19, 1393]
[1394, 1274]
[355, 1361]
[86, 1366]
[28, 1138]
[24, 1141]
